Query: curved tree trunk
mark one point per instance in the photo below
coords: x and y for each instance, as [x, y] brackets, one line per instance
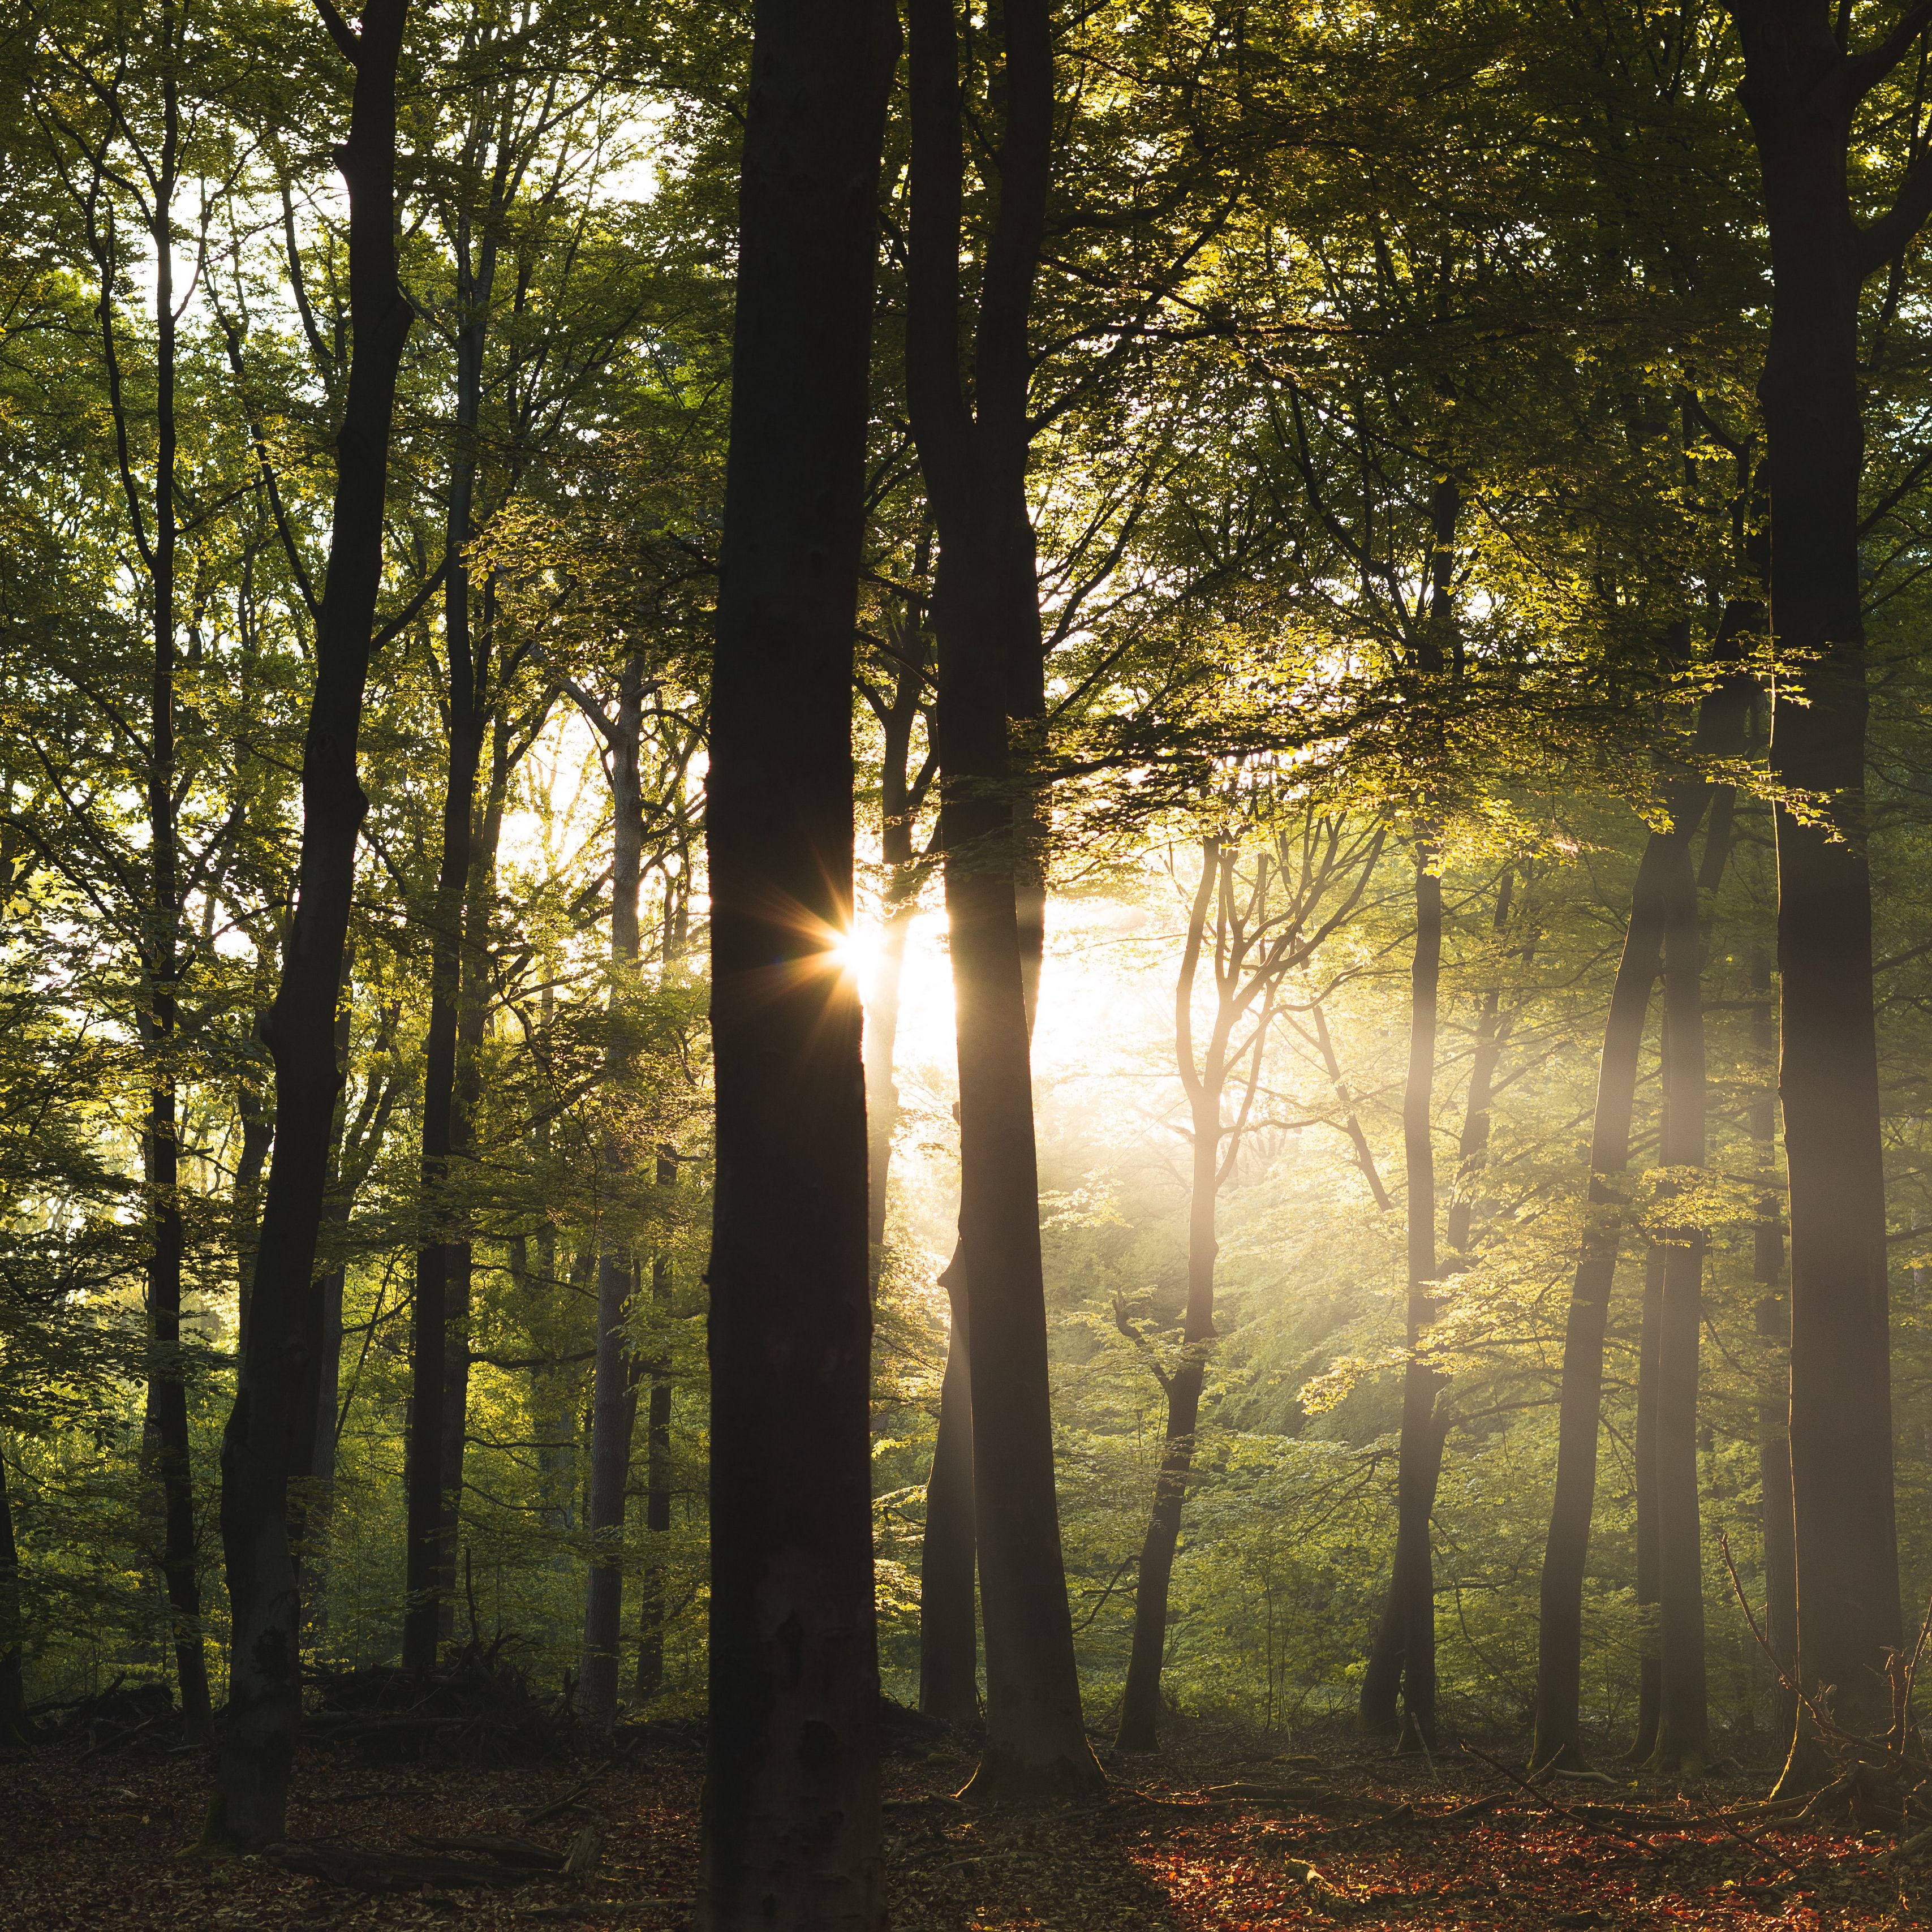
[791, 1820]
[1140, 1702]
[614, 1400]
[1403, 1658]
[1560, 1624]
[255, 1744]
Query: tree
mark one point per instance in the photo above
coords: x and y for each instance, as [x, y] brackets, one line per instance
[792, 1804]
[1254, 932]
[1803, 90]
[256, 1749]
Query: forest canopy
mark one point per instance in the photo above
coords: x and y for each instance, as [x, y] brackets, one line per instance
[1067, 861]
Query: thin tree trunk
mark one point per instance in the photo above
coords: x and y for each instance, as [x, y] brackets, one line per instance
[1650, 1661]
[651, 1600]
[1403, 1655]
[1560, 1626]
[167, 1418]
[949, 1649]
[256, 1746]
[1140, 1699]
[614, 1401]
[897, 805]
[1683, 1729]
[472, 1021]
[1774, 1323]
[1802, 90]
[442, 1260]
[1472, 1150]
[1352, 1123]
[791, 1820]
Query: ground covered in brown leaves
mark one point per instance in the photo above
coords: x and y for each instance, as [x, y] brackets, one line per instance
[1214, 1839]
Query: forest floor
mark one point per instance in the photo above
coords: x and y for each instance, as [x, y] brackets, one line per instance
[1215, 1838]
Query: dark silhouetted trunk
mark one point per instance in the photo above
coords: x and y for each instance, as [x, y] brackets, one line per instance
[1402, 1658]
[168, 1453]
[256, 1745]
[1802, 92]
[791, 1829]
[614, 1400]
[442, 1257]
[987, 617]
[472, 1020]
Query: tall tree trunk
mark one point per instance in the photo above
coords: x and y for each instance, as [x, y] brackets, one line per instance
[473, 1021]
[986, 611]
[1774, 1323]
[166, 1424]
[1650, 1657]
[255, 1746]
[791, 1830]
[1683, 1728]
[1560, 1625]
[441, 1258]
[614, 1401]
[1403, 1655]
[949, 1646]
[1140, 1699]
[1801, 92]
[652, 1599]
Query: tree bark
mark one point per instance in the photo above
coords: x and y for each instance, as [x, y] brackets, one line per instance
[1802, 92]
[1774, 1324]
[1683, 1727]
[657, 1468]
[473, 1021]
[166, 1426]
[1650, 1660]
[949, 1645]
[986, 611]
[791, 1820]
[256, 1746]
[614, 1400]
[1560, 1625]
[441, 1258]
[1403, 1658]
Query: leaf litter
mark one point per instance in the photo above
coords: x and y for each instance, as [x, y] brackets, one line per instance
[1197, 1840]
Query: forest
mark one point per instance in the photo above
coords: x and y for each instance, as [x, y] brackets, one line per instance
[965, 965]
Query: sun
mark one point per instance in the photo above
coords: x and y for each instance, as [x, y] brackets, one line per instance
[856, 951]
